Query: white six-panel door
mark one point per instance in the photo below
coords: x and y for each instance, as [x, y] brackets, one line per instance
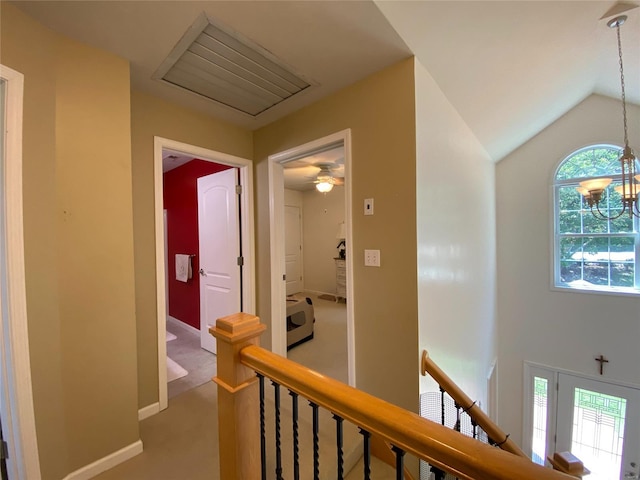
[218, 224]
[292, 249]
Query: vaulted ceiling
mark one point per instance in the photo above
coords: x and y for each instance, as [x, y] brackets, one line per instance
[510, 68]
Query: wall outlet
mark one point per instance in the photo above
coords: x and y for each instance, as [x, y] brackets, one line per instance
[368, 206]
[372, 258]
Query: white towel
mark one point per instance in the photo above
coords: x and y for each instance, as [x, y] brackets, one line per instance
[183, 267]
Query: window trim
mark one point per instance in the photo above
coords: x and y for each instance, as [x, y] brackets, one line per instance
[556, 236]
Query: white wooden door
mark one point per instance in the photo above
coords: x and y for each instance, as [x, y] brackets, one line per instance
[292, 249]
[218, 226]
[599, 423]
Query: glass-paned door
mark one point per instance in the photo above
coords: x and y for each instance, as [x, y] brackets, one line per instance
[599, 423]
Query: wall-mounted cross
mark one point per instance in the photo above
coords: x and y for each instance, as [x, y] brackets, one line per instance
[602, 361]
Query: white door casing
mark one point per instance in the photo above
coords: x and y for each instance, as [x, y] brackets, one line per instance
[18, 418]
[245, 168]
[276, 239]
[219, 243]
[293, 248]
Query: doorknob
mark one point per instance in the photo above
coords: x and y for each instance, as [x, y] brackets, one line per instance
[202, 272]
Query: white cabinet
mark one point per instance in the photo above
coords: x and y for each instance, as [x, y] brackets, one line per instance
[341, 278]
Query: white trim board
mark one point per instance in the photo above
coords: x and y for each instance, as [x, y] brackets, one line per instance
[184, 326]
[116, 458]
[276, 238]
[17, 403]
[245, 167]
[148, 411]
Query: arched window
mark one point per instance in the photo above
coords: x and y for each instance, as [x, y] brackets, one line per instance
[591, 253]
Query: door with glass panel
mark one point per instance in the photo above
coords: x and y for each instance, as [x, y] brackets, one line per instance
[599, 423]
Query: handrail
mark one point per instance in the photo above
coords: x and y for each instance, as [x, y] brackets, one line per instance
[442, 447]
[494, 432]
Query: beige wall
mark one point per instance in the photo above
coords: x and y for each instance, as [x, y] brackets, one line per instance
[78, 244]
[151, 116]
[561, 329]
[380, 113]
[322, 214]
[19, 38]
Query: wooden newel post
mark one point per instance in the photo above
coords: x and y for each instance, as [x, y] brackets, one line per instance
[238, 398]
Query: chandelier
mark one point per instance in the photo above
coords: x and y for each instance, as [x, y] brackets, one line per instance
[593, 190]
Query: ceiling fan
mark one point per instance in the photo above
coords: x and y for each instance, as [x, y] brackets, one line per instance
[323, 175]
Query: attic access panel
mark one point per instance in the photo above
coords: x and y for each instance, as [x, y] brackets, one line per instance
[221, 65]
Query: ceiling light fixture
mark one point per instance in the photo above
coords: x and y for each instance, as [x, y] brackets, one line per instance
[324, 180]
[628, 189]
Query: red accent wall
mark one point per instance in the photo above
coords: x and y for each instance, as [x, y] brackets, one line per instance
[181, 203]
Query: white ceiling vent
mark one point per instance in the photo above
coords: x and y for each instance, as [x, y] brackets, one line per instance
[219, 64]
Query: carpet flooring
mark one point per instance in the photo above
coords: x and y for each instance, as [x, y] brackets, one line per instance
[181, 442]
[327, 351]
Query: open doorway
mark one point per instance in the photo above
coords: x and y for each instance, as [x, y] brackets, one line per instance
[323, 218]
[182, 263]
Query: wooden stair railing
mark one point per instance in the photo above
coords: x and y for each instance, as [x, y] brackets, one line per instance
[494, 432]
[240, 357]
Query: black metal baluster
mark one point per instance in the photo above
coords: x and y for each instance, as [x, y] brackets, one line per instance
[367, 454]
[442, 403]
[316, 449]
[399, 462]
[474, 425]
[296, 456]
[437, 473]
[276, 388]
[339, 439]
[263, 439]
[456, 427]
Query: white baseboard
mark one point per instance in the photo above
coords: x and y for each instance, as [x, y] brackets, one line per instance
[318, 293]
[184, 326]
[149, 410]
[89, 471]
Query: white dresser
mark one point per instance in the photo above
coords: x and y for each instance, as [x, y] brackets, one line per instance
[341, 279]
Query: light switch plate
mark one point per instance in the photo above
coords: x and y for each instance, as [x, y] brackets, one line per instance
[372, 258]
[368, 206]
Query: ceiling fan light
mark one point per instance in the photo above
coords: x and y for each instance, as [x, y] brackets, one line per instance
[324, 177]
[324, 187]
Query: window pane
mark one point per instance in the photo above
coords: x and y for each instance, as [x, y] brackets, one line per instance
[601, 260]
[539, 438]
[570, 210]
[570, 272]
[622, 262]
[591, 162]
[596, 273]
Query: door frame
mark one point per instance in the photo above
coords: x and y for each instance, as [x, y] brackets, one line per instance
[18, 415]
[276, 231]
[245, 168]
[552, 374]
